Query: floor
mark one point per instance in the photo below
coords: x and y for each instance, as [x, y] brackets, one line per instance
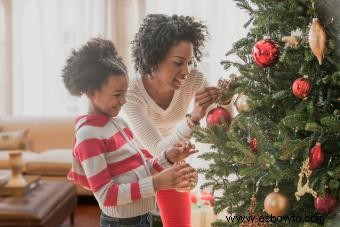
[86, 214]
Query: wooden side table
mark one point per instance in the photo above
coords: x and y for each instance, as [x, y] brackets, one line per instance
[18, 185]
[48, 205]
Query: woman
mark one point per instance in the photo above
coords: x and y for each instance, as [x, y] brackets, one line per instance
[158, 98]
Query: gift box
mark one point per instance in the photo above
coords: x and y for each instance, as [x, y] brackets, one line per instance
[202, 216]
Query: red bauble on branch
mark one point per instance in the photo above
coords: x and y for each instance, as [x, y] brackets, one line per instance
[252, 142]
[316, 157]
[325, 204]
[302, 87]
[215, 116]
[265, 52]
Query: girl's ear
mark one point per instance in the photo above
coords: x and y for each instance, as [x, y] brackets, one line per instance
[90, 94]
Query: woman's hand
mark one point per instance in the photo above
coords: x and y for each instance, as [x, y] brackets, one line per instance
[178, 176]
[180, 151]
[204, 97]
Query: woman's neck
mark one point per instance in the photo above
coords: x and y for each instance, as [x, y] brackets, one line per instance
[156, 88]
[158, 91]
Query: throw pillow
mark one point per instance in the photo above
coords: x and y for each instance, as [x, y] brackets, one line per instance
[13, 140]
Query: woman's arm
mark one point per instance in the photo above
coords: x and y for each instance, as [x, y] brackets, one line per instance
[147, 133]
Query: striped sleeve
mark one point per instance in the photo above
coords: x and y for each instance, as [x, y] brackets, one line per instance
[90, 154]
[156, 165]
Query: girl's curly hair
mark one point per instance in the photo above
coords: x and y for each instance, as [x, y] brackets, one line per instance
[159, 33]
[88, 68]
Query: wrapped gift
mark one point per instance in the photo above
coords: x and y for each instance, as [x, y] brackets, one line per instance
[202, 199]
[202, 209]
[202, 216]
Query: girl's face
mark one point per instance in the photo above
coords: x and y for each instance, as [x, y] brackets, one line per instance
[175, 67]
[110, 97]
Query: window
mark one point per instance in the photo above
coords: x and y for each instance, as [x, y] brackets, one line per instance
[44, 32]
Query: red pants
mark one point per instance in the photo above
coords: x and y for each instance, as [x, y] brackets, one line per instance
[175, 208]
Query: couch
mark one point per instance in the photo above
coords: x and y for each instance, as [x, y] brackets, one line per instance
[48, 149]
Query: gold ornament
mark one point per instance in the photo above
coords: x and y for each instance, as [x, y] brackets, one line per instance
[303, 189]
[276, 203]
[241, 103]
[224, 84]
[290, 41]
[317, 39]
[252, 213]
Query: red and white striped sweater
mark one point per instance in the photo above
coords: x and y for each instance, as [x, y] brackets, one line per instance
[109, 161]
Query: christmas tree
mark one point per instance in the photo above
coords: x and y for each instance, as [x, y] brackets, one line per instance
[286, 136]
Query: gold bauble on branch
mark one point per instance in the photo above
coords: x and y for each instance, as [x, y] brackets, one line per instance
[317, 39]
[290, 41]
[242, 103]
[276, 203]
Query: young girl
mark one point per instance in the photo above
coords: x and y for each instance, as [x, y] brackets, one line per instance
[107, 159]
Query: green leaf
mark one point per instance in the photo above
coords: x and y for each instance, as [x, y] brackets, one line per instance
[295, 121]
[249, 170]
[331, 123]
[334, 185]
[313, 127]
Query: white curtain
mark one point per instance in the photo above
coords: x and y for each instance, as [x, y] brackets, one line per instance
[5, 58]
[225, 25]
[43, 32]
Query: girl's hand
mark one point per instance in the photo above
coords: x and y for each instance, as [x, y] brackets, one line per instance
[178, 176]
[204, 97]
[180, 151]
[192, 181]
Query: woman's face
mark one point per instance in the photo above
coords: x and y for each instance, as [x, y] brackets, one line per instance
[175, 67]
[110, 97]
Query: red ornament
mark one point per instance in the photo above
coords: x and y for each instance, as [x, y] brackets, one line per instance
[207, 198]
[265, 52]
[325, 204]
[316, 157]
[193, 198]
[302, 87]
[215, 115]
[253, 144]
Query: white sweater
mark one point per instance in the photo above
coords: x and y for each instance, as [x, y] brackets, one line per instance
[158, 128]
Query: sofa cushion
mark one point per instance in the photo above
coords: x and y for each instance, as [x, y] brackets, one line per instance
[44, 132]
[54, 162]
[26, 157]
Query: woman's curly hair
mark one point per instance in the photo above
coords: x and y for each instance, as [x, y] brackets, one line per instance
[159, 33]
[88, 68]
